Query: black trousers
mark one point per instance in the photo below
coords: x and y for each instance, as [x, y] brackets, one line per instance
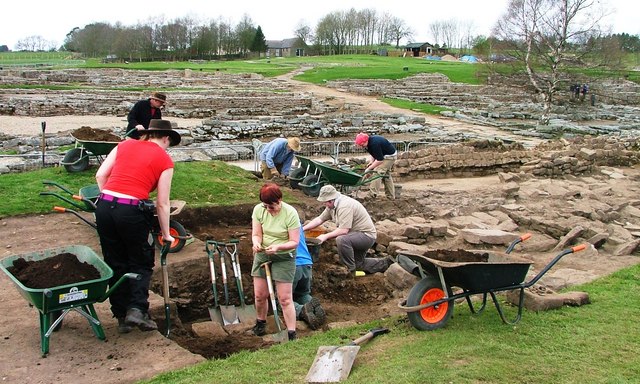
[127, 247]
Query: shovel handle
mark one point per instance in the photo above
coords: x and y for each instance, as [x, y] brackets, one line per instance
[369, 335]
[272, 295]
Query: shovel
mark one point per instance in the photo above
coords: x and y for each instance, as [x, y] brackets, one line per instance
[246, 313]
[165, 285]
[333, 364]
[229, 313]
[282, 335]
[214, 312]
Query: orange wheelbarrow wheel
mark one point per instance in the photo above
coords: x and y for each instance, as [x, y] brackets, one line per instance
[425, 291]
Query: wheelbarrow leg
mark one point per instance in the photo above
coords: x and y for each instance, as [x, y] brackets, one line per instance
[44, 339]
[95, 323]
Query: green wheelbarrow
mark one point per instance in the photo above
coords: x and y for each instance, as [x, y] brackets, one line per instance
[317, 174]
[77, 158]
[54, 303]
[85, 201]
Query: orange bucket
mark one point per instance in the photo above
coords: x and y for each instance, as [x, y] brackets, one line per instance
[315, 232]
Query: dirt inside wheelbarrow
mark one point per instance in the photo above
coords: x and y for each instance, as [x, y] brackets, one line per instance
[61, 269]
[93, 134]
[343, 297]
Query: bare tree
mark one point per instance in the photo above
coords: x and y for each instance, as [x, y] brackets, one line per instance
[382, 32]
[34, 43]
[436, 32]
[450, 33]
[541, 32]
[303, 32]
[399, 30]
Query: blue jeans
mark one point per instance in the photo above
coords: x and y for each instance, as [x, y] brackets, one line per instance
[302, 287]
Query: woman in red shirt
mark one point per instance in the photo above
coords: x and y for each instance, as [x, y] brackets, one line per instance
[130, 172]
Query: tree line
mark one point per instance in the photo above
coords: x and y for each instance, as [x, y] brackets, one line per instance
[339, 32]
[186, 38]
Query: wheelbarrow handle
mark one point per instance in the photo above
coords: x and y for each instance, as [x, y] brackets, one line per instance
[53, 183]
[517, 241]
[129, 275]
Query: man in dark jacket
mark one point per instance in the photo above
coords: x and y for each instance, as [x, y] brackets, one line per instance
[145, 110]
[382, 157]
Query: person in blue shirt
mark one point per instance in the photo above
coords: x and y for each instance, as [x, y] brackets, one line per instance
[308, 308]
[276, 157]
[382, 157]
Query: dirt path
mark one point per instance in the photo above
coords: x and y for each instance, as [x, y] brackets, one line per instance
[31, 126]
[339, 99]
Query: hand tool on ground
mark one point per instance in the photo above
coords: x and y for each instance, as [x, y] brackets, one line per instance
[246, 313]
[214, 312]
[333, 363]
[165, 286]
[229, 313]
[282, 335]
[44, 140]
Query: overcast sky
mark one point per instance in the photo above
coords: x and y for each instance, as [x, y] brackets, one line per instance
[278, 18]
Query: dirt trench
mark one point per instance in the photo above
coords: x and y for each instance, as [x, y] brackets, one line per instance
[343, 297]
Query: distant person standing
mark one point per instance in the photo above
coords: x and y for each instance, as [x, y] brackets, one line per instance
[276, 157]
[583, 91]
[382, 157]
[145, 110]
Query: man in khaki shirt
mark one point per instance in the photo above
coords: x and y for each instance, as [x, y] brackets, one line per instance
[355, 232]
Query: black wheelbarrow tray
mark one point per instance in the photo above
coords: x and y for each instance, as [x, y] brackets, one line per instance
[56, 302]
[430, 302]
[77, 158]
[319, 174]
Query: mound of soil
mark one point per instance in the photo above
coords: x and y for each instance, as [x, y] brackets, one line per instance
[93, 134]
[61, 269]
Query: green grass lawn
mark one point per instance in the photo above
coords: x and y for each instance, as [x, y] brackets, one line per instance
[199, 183]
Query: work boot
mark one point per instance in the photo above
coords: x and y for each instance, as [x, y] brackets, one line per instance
[260, 329]
[307, 315]
[123, 327]
[135, 317]
[321, 315]
[292, 335]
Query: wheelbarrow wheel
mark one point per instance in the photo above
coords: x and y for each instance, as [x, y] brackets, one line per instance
[425, 291]
[74, 161]
[313, 191]
[176, 230]
[295, 175]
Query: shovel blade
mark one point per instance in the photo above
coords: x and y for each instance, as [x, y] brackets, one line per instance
[247, 314]
[332, 364]
[215, 315]
[278, 337]
[229, 314]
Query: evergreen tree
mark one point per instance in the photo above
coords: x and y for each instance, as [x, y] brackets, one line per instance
[259, 43]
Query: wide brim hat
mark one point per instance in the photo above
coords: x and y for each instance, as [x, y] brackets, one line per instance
[159, 96]
[294, 143]
[328, 192]
[161, 126]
